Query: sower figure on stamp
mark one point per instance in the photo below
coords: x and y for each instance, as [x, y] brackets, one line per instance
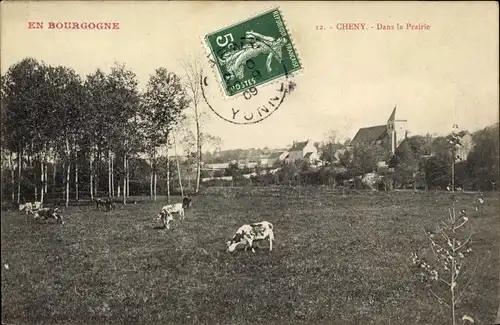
[258, 44]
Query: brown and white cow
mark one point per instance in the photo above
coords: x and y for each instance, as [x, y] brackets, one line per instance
[166, 217]
[248, 234]
[166, 213]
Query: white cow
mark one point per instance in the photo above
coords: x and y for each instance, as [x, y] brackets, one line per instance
[252, 232]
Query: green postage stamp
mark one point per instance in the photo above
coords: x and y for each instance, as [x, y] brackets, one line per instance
[253, 52]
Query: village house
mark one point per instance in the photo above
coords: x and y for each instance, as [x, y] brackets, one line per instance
[302, 151]
[263, 160]
[276, 157]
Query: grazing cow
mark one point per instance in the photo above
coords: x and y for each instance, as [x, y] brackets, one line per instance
[49, 213]
[166, 217]
[252, 232]
[108, 203]
[30, 207]
[186, 202]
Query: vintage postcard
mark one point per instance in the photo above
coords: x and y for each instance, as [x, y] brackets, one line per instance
[250, 162]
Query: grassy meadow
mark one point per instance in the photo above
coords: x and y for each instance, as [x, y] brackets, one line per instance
[336, 261]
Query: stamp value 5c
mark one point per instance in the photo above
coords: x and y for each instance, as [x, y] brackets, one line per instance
[253, 52]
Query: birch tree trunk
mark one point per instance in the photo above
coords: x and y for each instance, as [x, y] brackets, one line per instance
[42, 179]
[64, 181]
[54, 171]
[13, 177]
[76, 181]
[178, 166]
[91, 177]
[35, 182]
[128, 179]
[68, 172]
[151, 185]
[154, 186]
[20, 174]
[198, 154]
[97, 169]
[112, 175]
[45, 173]
[109, 173]
[124, 180]
[168, 175]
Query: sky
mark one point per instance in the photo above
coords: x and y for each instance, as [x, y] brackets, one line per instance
[350, 79]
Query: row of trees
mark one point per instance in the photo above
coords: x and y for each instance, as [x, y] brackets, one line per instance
[53, 117]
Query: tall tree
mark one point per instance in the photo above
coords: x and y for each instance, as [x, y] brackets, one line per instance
[165, 100]
[193, 73]
[124, 102]
[97, 122]
[21, 96]
[69, 101]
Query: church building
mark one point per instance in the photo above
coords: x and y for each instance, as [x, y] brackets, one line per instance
[389, 135]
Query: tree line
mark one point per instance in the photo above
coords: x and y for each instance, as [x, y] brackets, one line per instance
[86, 127]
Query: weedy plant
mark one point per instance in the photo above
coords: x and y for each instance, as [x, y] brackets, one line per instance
[446, 266]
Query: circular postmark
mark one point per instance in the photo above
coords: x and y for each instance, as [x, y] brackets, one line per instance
[253, 103]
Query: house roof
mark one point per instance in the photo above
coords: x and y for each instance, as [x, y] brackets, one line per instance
[308, 155]
[298, 146]
[276, 155]
[370, 134]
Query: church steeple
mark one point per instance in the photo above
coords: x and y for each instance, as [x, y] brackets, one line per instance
[393, 116]
[391, 130]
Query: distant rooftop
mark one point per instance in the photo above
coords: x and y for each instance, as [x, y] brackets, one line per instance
[298, 146]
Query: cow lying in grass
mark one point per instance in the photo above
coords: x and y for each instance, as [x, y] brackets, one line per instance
[108, 203]
[248, 234]
[49, 213]
[30, 207]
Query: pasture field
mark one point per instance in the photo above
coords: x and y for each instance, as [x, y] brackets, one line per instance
[336, 261]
